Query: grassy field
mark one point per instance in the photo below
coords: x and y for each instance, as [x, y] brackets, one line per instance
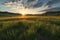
[30, 28]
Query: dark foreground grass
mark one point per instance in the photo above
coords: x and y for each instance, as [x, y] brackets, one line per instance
[30, 29]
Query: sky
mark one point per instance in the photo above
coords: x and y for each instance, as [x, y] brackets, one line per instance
[28, 6]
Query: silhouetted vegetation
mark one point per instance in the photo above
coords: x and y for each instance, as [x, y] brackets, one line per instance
[6, 14]
[53, 13]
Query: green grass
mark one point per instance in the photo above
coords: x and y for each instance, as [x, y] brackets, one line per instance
[39, 28]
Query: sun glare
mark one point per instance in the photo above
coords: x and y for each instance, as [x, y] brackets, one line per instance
[23, 14]
[25, 11]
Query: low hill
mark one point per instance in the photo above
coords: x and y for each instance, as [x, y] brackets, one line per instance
[53, 13]
[2, 14]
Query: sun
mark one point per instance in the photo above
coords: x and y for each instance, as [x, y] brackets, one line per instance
[23, 14]
[25, 11]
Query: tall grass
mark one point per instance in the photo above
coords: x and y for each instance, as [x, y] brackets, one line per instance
[30, 29]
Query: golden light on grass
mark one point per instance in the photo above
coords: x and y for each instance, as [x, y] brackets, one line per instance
[23, 15]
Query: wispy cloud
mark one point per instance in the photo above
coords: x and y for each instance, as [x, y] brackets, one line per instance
[8, 4]
[19, 7]
[34, 6]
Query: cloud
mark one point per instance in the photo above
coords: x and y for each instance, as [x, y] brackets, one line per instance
[19, 8]
[8, 4]
[25, 6]
[52, 2]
